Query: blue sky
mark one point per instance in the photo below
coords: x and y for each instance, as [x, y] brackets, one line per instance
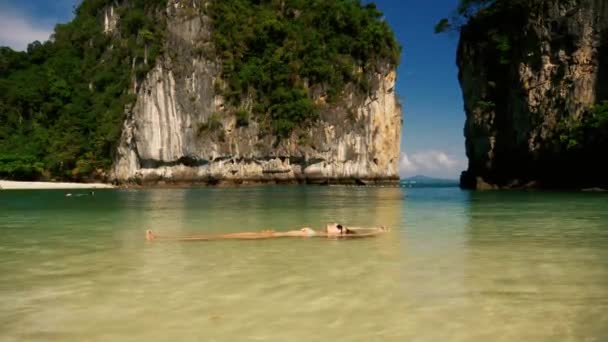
[432, 142]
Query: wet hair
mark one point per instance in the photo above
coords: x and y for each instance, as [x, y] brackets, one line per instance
[344, 230]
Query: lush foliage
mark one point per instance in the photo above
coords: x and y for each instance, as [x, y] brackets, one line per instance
[468, 9]
[62, 103]
[590, 132]
[276, 52]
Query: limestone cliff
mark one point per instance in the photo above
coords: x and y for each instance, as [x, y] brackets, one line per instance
[525, 72]
[177, 130]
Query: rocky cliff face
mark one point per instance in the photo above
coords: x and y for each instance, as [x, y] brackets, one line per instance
[177, 131]
[524, 73]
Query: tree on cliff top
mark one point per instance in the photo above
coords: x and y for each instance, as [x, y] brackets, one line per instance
[470, 9]
[465, 10]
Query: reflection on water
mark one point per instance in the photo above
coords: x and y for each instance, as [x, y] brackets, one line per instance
[458, 266]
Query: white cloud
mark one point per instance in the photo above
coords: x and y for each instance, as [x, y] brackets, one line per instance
[406, 167]
[17, 31]
[432, 163]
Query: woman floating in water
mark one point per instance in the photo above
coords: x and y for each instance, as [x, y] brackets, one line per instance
[332, 230]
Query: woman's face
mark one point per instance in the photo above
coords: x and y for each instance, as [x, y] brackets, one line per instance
[333, 229]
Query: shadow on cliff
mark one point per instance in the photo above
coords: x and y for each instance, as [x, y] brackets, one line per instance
[518, 128]
[602, 80]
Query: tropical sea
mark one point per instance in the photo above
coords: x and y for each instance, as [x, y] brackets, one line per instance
[457, 266]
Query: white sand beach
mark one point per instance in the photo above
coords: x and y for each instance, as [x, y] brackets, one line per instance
[12, 185]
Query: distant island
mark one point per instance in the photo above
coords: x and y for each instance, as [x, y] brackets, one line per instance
[420, 181]
[205, 91]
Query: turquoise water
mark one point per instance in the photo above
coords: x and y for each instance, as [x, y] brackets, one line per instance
[457, 266]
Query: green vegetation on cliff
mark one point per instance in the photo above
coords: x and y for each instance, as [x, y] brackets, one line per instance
[498, 42]
[63, 102]
[277, 52]
[475, 9]
[589, 132]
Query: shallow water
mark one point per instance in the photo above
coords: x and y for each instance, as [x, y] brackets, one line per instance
[457, 266]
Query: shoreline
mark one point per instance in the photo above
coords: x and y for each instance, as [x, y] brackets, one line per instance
[181, 184]
[245, 183]
[18, 185]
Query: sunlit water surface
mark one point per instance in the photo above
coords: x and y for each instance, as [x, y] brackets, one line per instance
[457, 266]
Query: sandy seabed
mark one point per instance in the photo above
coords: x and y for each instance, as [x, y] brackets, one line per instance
[12, 185]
